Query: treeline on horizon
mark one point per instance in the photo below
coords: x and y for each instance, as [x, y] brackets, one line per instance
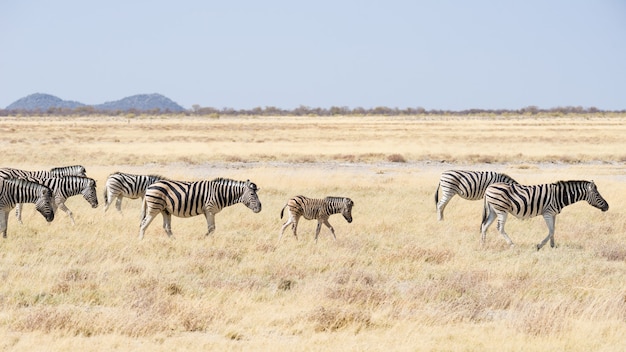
[303, 111]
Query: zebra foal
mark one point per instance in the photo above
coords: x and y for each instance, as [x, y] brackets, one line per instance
[470, 185]
[187, 199]
[62, 188]
[120, 185]
[320, 209]
[14, 191]
[525, 202]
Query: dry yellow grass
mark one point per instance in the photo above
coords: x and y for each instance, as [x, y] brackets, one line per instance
[395, 279]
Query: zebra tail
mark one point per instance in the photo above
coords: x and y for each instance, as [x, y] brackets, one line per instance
[106, 196]
[282, 210]
[437, 194]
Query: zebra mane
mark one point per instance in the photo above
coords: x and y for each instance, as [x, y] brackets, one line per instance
[235, 183]
[68, 168]
[333, 198]
[571, 182]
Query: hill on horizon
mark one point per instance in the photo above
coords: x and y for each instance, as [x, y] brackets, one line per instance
[140, 102]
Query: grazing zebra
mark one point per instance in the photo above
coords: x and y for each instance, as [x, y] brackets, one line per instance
[74, 170]
[470, 185]
[14, 191]
[120, 185]
[529, 201]
[63, 188]
[319, 209]
[187, 199]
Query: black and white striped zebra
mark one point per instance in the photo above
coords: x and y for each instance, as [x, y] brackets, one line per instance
[470, 185]
[529, 201]
[120, 185]
[63, 188]
[312, 208]
[15, 191]
[73, 170]
[186, 199]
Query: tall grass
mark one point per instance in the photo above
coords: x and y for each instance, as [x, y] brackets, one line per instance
[396, 278]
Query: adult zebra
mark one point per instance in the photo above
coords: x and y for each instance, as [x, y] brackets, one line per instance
[14, 191]
[63, 188]
[470, 185]
[73, 170]
[187, 199]
[529, 201]
[120, 185]
[320, 209]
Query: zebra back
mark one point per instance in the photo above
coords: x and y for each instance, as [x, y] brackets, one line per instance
[529, 201]
[129, 185]
[72, 170]
[7, 173]
[469, 185]
[186, 199]
[68, 186]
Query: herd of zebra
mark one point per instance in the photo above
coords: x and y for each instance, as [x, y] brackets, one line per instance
[48, 190]
[502, 195]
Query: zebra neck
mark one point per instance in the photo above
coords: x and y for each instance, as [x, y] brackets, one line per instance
[570, 193]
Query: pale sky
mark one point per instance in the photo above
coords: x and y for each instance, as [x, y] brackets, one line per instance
[241, 54]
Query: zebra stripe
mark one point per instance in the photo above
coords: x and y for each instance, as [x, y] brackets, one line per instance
[187, 199]
[14, 191]
[63, 188]
[120, 185]
[470, 185]
[74, 170]
[312, 208]
[525, 202]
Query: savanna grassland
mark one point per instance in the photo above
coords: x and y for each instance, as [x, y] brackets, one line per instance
[395, 279]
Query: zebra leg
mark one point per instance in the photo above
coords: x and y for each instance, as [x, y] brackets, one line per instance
[282, 229]
[167, 223]
[501, 221]
[210, 222]
[317, 229]
[118, 203]
[107, 200]
[550, 220]
[488, 218]
[331, 228]
[147, 219]
[67, 211]
[4, 218]
[441, 204]
[18, 212]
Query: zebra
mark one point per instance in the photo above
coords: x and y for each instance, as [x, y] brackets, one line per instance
[120, 185]
[470, 185]
[186, 199]
[73, 170]
[63, 188]
[529, 201]
[14, 191]
[320, 209]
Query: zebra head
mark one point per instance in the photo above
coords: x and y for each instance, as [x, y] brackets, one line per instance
[89, 192]
[347, 209]
[249, 197]
[44, 203]
[594, 198]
